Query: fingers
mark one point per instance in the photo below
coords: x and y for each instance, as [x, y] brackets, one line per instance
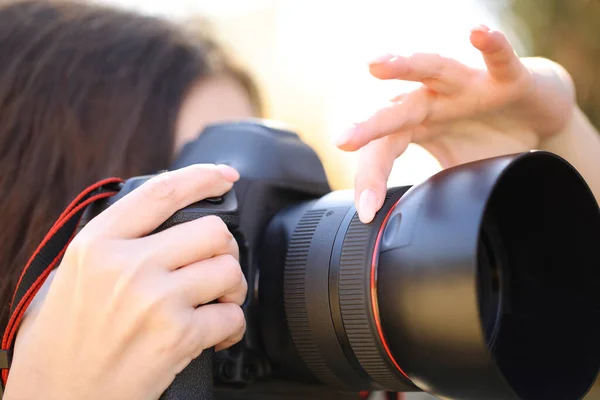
[218, 278]
[376, 161]
[152, 203]
[499, 56]
[218, 325]
[189, 242]
[440, 74]
[407, 112]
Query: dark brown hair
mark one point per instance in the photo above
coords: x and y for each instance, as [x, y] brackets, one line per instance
[86, 92]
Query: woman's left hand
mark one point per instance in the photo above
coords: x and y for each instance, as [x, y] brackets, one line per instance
[459, 113]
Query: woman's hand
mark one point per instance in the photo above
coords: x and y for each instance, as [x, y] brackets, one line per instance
[459, 113]
[121, 317]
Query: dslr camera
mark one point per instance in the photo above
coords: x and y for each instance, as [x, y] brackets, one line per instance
[481, 282]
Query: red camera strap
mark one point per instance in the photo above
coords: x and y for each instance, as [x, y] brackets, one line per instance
[44, 259]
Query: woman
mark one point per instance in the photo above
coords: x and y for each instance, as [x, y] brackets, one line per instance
[88, 92]
[77, 340]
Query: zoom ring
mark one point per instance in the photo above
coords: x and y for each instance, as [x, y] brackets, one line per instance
[295, 297]
[355, 305]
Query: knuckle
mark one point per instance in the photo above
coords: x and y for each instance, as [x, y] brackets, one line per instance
[138, 262]
[443, 66]
[437, 59]
[231, 270]
[237, 319]
[135, 268]
[214, 171]
[151, 302]
[217, 229]
[177, 335]
[214, 223]
[155, 307]
[161, 187]
[234, 248]
[139, 256]
[437, 64]
[208, 174]
[84, 249]
[414, 57]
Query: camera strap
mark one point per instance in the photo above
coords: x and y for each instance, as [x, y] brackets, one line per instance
[44, 259]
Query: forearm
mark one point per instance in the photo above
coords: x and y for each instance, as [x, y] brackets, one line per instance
[579, 143]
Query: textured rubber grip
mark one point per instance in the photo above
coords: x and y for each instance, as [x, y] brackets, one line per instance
[231, 220]
[195, 382]
[356, 306]
[295, 293]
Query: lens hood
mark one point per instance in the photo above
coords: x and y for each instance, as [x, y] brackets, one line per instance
[488, 281]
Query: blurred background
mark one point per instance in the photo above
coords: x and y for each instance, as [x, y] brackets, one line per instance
[309, 57]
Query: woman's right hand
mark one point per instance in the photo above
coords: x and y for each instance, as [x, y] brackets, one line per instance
[121, 317]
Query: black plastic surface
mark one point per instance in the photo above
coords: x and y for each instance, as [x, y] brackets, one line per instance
[195, 382]
[259, 150]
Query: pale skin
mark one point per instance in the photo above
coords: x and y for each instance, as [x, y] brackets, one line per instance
[460, 114]
[76, 340]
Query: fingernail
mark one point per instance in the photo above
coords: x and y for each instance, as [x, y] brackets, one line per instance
[228, 172]
[481, 28]
[366, 206]
[381, 59]
[346, 136]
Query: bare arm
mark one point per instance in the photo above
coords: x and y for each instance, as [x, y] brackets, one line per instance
[579, 143]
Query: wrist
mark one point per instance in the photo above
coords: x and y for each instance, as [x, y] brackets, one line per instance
[564, 138]
[579, 144]
[568, 142]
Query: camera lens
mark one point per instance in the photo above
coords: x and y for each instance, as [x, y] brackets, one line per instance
[479, 283]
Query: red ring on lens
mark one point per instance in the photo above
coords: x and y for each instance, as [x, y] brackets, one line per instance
[373, 283]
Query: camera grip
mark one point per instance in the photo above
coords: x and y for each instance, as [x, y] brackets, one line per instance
[224, 207]
[195, 382]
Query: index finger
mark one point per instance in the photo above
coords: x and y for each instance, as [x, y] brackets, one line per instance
[407, 112]
[144, 209]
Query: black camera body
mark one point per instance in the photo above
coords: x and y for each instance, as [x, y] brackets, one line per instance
[457, 288]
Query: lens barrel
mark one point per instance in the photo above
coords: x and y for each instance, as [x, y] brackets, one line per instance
[482, 282]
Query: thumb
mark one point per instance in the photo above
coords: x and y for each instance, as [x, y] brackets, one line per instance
[502, 62]
[376, 160]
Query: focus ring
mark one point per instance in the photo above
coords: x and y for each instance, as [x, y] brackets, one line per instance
[294, 290]
[355, 304]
